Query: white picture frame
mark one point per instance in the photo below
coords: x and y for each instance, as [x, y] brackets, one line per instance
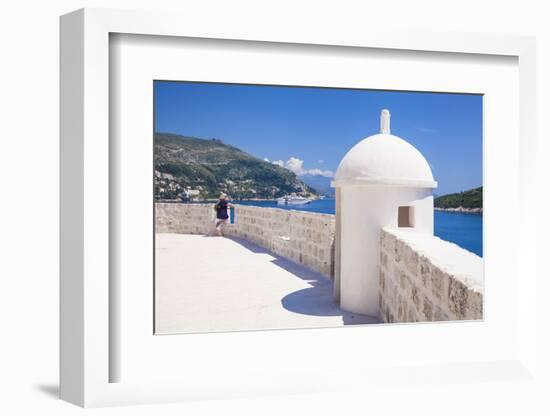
[86, 356]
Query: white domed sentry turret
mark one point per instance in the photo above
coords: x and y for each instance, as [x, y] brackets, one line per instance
[384, 159]
[382, 181]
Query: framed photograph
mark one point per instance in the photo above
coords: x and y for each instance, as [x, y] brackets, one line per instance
[328, 230]
[237, 208]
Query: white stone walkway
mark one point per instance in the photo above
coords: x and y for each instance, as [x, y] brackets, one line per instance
[209, 284]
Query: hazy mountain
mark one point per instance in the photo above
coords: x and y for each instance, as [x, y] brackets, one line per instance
[320, 183]
[212, 166]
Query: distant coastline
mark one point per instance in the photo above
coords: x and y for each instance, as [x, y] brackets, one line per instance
[233, 200]
[461, 209]
[469, 202]
[208, 200]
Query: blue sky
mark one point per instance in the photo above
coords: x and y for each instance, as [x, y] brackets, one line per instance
[311, 129]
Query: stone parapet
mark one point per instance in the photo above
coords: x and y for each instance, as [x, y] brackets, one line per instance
[184, 218]
[304, 237]
[424, 278]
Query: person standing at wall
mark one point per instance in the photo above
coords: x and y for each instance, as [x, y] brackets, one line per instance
[222, 215]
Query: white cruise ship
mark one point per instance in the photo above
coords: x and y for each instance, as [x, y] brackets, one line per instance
[293, 200]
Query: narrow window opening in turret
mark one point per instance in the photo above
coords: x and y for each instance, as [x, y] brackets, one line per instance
[405, 217]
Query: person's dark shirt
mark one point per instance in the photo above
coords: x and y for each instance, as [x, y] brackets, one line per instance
[221, 210]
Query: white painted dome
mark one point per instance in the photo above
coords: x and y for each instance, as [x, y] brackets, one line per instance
[384, 159]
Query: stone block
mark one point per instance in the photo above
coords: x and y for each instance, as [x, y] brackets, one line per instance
[404, 281]
[397, 254]
[412, 315]
[401, 310]
[383, 259]
[382, 277]
[388, 241]
[425, 271]
[416, 297]
[474, 305]
[427, 309]
[389, 317]
[458, 298]
[439, 281]
[410, 259]
[437, 314]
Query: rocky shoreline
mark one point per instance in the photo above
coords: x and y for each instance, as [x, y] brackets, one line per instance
[462, 210]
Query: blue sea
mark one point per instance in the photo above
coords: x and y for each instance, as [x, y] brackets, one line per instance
[462, 229]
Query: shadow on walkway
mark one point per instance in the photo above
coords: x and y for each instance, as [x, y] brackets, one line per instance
[316, 300]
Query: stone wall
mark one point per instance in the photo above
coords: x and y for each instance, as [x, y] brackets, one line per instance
[184, 218]
[307, 238]
[424, 278]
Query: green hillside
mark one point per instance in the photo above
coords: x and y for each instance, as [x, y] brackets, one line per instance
[212, 166]
[470, 199]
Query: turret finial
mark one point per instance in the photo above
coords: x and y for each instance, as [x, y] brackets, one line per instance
[385, 122]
